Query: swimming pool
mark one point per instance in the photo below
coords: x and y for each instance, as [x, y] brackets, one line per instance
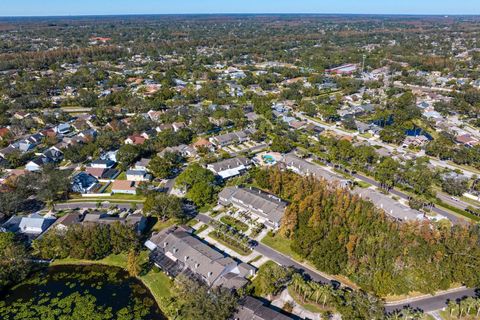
[268, 159]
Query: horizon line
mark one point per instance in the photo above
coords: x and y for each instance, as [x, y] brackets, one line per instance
[244, 13]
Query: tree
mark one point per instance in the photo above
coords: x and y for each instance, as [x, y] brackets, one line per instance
[164, 206]
[14, 260]
[386, 172]
[455, 186]
[281, 144]
[202, 193]
[161, 167]
[133, 264]
[194, 300]
[270, 279]
[127, 154]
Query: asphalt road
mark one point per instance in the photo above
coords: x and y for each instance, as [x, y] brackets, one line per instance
[426, 304]
[434, 303]
[93, 205]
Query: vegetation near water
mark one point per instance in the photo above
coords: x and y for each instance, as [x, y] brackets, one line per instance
[79, 292]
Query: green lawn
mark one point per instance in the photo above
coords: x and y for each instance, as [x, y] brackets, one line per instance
[122, 176]
[237, 249]
[201, 229]
[119, 260]
[158, 283]
[255, 259]
[281, 244]
[234, 223]
[160, 225]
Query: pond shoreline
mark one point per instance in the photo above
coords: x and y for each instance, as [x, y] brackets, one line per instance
[101, 288]
[158, 284]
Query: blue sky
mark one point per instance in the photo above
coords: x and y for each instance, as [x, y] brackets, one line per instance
[91, 7]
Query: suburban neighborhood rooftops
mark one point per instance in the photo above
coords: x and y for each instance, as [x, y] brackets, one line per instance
[260, 203]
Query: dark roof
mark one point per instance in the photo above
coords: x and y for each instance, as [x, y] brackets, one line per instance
[254, 309]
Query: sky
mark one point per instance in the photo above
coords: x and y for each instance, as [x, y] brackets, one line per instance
[112, 7]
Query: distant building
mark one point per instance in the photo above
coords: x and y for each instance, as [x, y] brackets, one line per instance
[231, 138]
[305, 168]
[346, 69]
[230, 167]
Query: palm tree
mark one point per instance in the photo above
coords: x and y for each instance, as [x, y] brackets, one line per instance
[452, 305]
[407, 313]
[323, 291]
[477, 305]
[297, 280]
[395, 315]
[470, 303]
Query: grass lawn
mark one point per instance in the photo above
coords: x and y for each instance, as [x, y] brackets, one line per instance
[457, 210]
[234, 223]
[201, 229]
[122, 176]
[127, 197]
[237, 249]
[363, 184]
[256, 259]
[281, 244]
[192, 222]
[158, 283]
[160, 225]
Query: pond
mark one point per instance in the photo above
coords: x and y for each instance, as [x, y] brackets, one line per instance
[79, 292]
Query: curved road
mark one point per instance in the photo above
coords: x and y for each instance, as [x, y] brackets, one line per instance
[425, 303]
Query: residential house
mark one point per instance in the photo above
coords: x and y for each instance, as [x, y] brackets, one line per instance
[20, 115]
[467, 140]
[230, 167]
[33, 224]
[142, 164]
[138, 175]
[231, 138]
[164, 127]
[415, 141]
[4, 133]
[391, 207]
[137, 221]
[51, 155]
[254, 309]
[66, 221]
[176, 250]
[178, 126]
[103, 164]
[268, 208]
[184, 150]
[5, 152]
[124, 187]
[84, 183]
[135, 139]
[64, 128]
[305, 168]
[102, 173]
